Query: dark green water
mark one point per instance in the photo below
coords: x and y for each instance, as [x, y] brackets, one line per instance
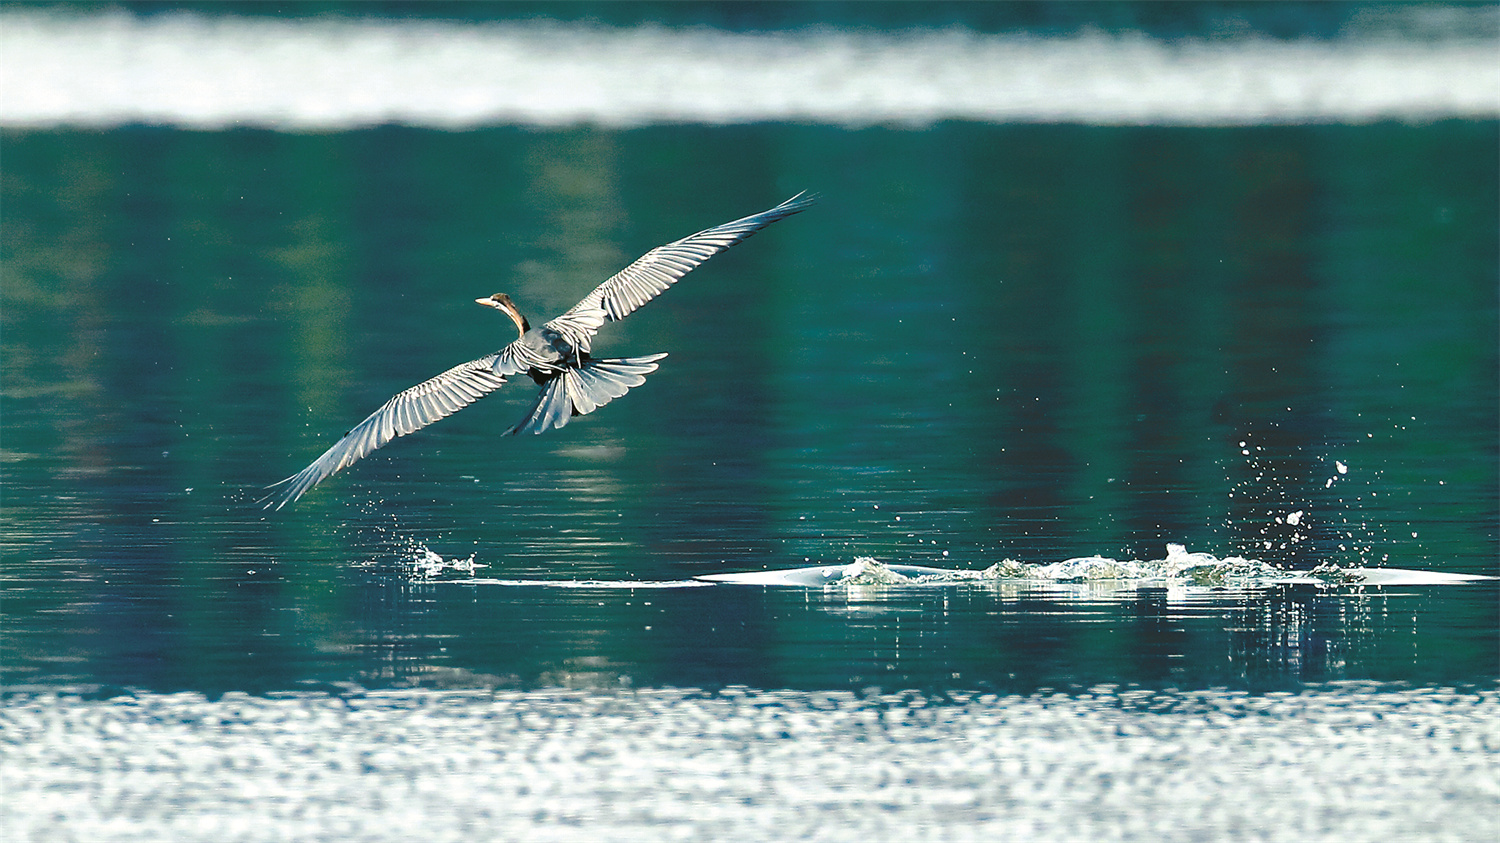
[987, 342]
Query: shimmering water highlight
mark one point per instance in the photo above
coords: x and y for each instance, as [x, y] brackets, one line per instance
[1336, 762]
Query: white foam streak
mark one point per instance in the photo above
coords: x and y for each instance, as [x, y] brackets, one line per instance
[339, 73]
[1179, 568]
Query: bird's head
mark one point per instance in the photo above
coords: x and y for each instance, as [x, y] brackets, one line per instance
[502, 303]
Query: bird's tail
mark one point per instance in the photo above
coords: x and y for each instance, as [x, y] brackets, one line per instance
[578, 392]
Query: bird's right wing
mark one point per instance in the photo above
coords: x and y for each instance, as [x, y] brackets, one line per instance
[407, 412]
[652, 273]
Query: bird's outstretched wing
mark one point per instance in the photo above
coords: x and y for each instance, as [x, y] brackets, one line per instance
[652, 273]
[406, 413]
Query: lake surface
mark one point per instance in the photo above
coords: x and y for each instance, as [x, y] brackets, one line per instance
[990, 344]
[986, 343]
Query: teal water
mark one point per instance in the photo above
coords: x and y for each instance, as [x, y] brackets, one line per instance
[986, 343]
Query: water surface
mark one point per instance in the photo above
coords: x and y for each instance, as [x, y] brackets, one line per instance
[987, 343]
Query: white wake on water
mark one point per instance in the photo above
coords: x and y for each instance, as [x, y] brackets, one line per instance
[1177, 568]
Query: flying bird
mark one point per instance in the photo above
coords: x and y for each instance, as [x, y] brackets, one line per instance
[556, 355]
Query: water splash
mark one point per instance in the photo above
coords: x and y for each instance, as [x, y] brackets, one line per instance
[422, 564]
[1178, 567]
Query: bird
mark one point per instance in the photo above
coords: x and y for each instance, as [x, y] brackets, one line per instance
[557, 356]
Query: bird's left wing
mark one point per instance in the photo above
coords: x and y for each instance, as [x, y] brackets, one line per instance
[652, 273]
[407, 412]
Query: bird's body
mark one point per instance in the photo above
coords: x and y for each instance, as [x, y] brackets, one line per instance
[556, 355]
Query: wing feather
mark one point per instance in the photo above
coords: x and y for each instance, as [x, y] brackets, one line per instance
[407, 412]
[652, 273]
[451, 397]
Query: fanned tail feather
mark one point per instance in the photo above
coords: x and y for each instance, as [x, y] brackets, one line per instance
[578, 392]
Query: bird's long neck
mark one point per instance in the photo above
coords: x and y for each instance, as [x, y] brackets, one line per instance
[520, 319]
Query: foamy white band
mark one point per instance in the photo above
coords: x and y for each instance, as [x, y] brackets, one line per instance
[338, 73]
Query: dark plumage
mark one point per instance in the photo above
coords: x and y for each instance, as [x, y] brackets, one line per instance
[556, 355]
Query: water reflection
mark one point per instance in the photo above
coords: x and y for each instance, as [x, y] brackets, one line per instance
[1013, 636]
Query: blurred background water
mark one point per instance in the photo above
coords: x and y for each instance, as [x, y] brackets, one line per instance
[1086, 279]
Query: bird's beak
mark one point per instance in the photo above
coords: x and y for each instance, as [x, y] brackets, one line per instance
[486, 302]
